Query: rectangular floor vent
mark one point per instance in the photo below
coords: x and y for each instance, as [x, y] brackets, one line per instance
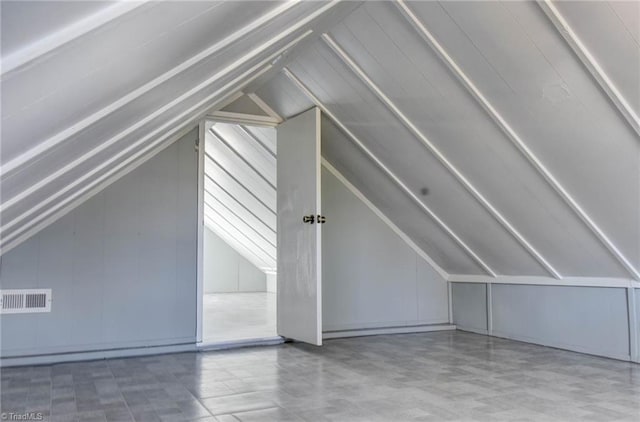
[25, 301]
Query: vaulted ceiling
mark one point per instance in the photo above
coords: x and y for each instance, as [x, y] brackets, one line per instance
[240, 189]
[502, 137]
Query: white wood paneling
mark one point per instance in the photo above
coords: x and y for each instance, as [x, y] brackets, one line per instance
[613, 42]
[120, 266]
[333, 83]
[240, 191]
[513, 136]
[228, 159]
[118, 127]
[441, 157]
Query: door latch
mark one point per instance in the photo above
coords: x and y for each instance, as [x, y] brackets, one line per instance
[308, 219]
[322, 219]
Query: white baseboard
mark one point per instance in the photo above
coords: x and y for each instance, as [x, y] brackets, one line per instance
[563, 346]
[387, 330]
[235, 344]
[473, 330]
[48, 359]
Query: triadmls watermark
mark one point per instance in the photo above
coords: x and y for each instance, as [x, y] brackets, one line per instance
[26, 416]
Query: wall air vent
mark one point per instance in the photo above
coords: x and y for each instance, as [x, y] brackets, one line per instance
[25, 301]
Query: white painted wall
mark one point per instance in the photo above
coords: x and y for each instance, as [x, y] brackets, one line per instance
[122, 266]
[272, 282]
[594, 320]
[226, 271]
[469, 302]
[371, 277]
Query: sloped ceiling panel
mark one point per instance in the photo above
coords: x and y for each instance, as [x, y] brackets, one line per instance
[531, 75]
[367, 177]
[410, 160]
[43, 20]
[532, 80]
[240, 191]
[501, 136]
[115, 94]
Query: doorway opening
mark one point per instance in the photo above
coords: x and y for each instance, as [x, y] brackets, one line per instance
[239, 238]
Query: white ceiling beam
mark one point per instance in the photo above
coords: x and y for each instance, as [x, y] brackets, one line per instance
[237, 181]
[228, 70]
[243, 118]
[341, 54]
[235, 244]
[227, 220]
[245, 78]
[147, 144]
[265, 107]
[257, 140]
[243, 158]
[223, 221]
[515, 138]
[355, 191]
[589, 61]
[353, 138]
[42, 147]
[54, 213]
[211, 199]
[607, 282]
[239, 209]
[67, 34]
[247, 208]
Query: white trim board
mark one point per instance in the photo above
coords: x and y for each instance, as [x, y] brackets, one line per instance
[560, 345]
[203, 127]
[634, 342]
[409, 329]
[236, 344]
[270, 119]
[52, 358]
[243, 119]
[385, 219]
[547, 281]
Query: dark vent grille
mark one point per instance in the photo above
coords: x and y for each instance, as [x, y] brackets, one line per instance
[12, 301]
[36, 300]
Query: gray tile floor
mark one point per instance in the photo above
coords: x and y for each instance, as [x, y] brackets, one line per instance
[443, 376]
[238, 316]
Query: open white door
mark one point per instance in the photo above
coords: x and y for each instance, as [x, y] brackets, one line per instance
[299, 283]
